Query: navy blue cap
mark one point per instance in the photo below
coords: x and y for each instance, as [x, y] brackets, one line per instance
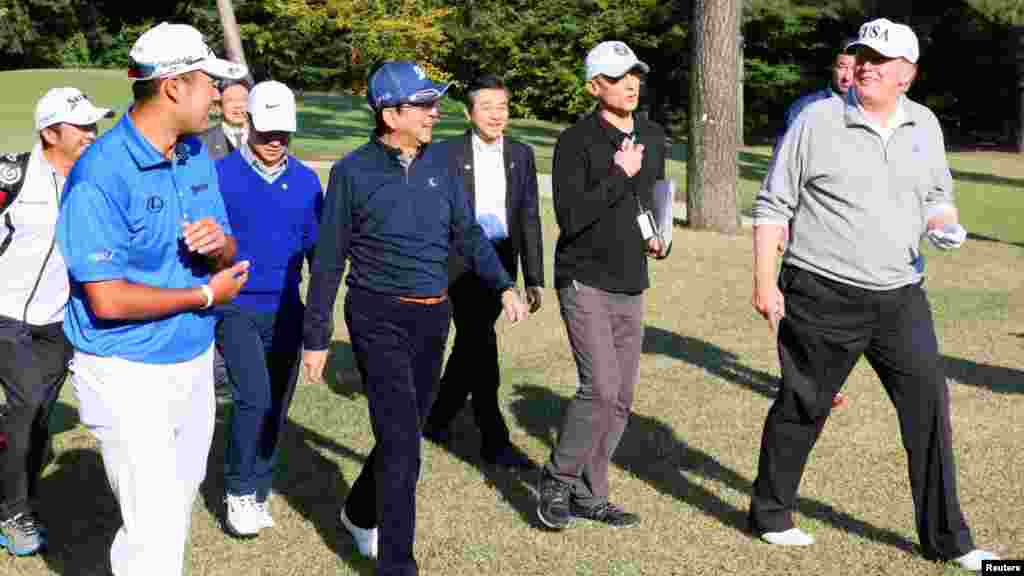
[402, 82]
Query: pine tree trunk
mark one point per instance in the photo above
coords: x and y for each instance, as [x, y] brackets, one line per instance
[232, 39]
[711, 166]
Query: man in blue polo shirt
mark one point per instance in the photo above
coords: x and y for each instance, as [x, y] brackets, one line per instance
[142, 227]
[394, 211]
[273, 202]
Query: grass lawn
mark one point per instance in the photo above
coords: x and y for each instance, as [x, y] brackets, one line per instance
[688, 457]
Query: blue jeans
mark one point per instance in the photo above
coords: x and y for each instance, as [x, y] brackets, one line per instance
[398, 348]
[261, 353]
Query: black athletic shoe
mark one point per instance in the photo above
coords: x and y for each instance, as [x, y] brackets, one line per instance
[607, 513]
[553, 510]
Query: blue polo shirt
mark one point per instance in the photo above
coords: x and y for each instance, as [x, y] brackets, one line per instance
[120, 219]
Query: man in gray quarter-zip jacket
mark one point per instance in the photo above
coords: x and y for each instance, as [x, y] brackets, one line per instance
[856, 183]
[33, 292]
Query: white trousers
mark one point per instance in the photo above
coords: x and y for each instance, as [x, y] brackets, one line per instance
[154, 424]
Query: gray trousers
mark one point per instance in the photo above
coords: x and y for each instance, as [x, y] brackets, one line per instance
[606, 333]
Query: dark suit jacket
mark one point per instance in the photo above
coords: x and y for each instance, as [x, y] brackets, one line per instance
[523, 213]
[217, 144]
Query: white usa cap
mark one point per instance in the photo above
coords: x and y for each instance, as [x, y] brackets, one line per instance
[889, 39]
[272, 107]
[67, 105]
[173, 49]
[613, 59]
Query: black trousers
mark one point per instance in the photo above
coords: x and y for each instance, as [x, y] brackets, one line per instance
[827, 327]
[398, 348]
[472, 369]
[33, 363]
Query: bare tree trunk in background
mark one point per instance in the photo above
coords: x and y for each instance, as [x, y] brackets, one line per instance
[232, 39]
[711, 172]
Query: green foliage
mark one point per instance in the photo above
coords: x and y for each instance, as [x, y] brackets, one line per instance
[75, 52]
[539, 47]
[1009, 12]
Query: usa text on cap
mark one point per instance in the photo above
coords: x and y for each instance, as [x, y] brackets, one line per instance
[889, 39]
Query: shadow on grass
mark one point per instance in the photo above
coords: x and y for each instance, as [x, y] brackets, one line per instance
[754, 166]
[517, 487]
[998, 379]
[983, 178]
[651, 451]
[706, 355]
[312, 484]
[984, 238]
[80, 513]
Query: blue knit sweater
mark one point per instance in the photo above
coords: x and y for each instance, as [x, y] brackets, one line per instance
[275, 226]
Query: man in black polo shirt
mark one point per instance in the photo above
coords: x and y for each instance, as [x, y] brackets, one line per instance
[604, 172]
[394, 210]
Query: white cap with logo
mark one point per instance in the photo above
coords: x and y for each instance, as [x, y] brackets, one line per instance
[272, 107]
[67, 105]
[613, 59]
[889, 39]
[168, 50]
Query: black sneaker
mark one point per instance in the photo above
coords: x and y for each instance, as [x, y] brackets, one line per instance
[553, 510]
[607, 513]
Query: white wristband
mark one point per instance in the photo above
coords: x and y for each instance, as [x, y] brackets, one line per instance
[208, 292]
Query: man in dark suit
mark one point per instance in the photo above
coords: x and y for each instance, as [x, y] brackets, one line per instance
[233, 129]
[500, 177]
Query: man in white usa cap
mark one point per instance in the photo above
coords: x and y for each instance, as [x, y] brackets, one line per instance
[851, 286]
[147, 243]
[33, 293]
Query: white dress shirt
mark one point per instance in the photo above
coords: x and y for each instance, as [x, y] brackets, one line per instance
[490, 186]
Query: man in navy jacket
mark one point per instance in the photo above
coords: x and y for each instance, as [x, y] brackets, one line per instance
[394, 211]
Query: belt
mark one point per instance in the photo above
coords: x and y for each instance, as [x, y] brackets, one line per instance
[428, 300]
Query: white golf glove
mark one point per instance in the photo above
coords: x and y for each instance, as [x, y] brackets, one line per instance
[948, 237]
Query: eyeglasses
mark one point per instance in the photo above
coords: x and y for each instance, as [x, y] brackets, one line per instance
[422, 106]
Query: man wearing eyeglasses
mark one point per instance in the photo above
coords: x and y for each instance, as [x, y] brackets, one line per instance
[33, 293]
[605, 168]
[394, 211]
[147, 243]
[273, 202]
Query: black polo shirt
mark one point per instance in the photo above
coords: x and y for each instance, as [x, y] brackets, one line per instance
[596, 204]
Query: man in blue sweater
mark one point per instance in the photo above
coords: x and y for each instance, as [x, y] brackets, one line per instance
[273, 203]
[394, 210]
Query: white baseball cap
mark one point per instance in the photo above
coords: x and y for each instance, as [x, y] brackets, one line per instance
[168, 50]
[272, 107]
[613, 59]
[69, 105]
[889, 39]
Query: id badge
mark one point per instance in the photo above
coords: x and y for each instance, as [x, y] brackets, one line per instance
[647, 227]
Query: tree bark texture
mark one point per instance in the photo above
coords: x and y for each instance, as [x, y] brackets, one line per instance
[711, 174]
[232, 38]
